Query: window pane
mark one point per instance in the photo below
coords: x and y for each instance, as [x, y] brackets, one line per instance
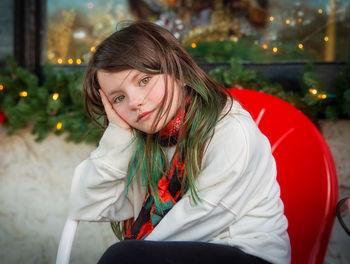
[212, 31]
[74, 28]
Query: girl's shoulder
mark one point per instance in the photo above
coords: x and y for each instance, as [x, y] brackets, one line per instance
[237, 125]
[233, 110]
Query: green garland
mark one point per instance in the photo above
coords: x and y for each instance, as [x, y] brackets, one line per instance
[312, 99]
[246, 49]
[57, 106]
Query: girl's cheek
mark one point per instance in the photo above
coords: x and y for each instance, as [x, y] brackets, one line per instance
[121, 111]
[117, 109]
[161, 95]
[154, 94]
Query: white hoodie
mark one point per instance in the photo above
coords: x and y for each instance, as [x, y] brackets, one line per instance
[240, 197]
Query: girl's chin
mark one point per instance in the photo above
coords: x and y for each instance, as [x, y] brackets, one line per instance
[146, 130]
[150, 130]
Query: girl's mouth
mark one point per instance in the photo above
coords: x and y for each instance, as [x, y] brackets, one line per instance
[143, 116]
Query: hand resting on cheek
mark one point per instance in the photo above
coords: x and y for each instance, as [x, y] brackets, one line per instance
[112, 115]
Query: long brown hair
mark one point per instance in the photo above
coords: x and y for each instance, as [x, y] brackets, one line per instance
[151, 49]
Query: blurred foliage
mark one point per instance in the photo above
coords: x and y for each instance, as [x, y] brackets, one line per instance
[24, 101]
[312, 99]
[244, 49]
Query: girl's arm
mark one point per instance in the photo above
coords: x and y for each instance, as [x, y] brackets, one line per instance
[98, 191]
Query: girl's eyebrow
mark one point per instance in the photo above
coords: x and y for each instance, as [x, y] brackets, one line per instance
[136, 76]
[133, 78]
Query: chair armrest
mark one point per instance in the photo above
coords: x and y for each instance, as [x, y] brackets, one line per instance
[343, 214]
[66, 242]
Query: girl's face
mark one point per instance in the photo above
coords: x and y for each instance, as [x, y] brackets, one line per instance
[136, 97]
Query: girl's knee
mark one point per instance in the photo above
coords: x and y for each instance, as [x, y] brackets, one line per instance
[121, 250]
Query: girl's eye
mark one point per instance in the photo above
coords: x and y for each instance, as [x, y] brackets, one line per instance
[119, 99]
[144, 81]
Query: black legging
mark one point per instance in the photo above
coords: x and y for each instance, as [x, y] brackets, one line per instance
[153, 252]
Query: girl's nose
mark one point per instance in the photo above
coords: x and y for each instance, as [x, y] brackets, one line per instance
[136, 99]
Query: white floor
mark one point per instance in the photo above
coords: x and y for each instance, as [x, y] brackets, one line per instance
[34, 186]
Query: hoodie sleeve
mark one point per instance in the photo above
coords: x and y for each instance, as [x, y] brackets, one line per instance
[98, 190]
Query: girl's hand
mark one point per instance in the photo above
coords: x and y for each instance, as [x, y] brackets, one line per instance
[112, 115]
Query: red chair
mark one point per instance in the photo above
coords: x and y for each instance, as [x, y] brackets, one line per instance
[305, 172]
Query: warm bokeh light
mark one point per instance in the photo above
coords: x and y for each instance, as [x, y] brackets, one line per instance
[300, 20]
[300, 46]
[324, 96]
[326, 38]
[70, 61]
[59, 126]
[1, 87]
[92, 49]
[23, 94]
[272, 18]
[264, 46]
[320, 11]
[275, 49]
[234, 39]
[78, 61]
[55, 96]
[193, 45]
[313, 91]
[59, 61]
[287, 21]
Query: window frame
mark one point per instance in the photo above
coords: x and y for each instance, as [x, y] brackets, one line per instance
[29, 50]
[29, 33]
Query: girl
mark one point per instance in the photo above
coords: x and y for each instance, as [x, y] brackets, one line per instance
[181, 167]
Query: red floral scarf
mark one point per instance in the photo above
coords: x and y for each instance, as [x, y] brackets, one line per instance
[169, 188]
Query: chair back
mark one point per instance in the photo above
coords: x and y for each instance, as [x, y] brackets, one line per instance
[305, 172]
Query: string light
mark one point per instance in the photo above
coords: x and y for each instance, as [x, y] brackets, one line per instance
[59, 61]
[313, 91]
[272, 18]
[1, 87]
[320, 11]
[234, 39]
[275, 49]
[55, 96]
[301, 46]
[288, 21]
[78, 61]
[322, 96]
[193, 45]
[264, 46]
[70, 61]
[92, 49]
[326, 38]
[23, 94]
[59, 125]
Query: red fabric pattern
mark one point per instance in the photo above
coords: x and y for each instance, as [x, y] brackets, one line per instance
[169, 189]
